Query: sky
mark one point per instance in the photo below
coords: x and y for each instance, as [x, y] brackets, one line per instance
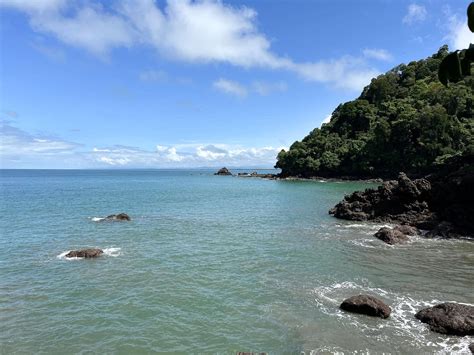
[187, 84]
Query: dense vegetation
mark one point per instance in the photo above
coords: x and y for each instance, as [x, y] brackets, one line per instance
[405, 120]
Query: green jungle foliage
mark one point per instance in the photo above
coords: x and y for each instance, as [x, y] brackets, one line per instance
[405, 120]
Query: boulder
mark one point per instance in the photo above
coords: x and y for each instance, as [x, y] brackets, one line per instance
[366, 304]
[223, 171]
[449, 318]
[85, 253]
[118, 217]
[471, 347]
[391, 236]
[407, 230]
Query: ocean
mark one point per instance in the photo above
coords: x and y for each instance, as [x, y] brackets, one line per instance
[211, 264]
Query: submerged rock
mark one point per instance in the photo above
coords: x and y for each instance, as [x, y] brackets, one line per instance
[223, 171]
[366, 304]
[85, 253]
[449, 318]
[391, 236]
[118, 217]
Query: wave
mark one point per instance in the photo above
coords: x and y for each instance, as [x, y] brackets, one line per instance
[402, 321]
[113, 252]
[97, 219]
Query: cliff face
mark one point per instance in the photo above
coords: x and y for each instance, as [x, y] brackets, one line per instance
[405, 120]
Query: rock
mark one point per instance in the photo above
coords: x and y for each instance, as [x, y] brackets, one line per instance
[391, 236]
[366, 304]
[471, 347]
[407, 230]
[440, 203]
[118, 217]
[85, 253]
[223, 171]
[449, 318]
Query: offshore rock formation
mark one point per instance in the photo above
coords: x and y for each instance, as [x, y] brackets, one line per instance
[366, 304]
[449, 318]
[118, 217]
[85, 253]
[440, 203]
[223, 171]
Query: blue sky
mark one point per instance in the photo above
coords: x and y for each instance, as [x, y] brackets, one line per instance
[180, 83]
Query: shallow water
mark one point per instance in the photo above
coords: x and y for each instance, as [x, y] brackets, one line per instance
[209, 264]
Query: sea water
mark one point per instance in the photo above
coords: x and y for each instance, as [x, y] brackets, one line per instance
[209, 264]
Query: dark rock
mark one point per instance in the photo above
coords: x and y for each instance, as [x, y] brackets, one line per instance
[118, 217]
[391, 236]
[366, 304]
[407, 230]
[85, 253]
[223, 171]
[449, 318]
[440, 203]
[471, 347]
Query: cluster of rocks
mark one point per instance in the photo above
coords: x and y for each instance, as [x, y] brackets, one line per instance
[89, 253]
[440, 204]
[256, 174]
[446, 318]
[85, 253]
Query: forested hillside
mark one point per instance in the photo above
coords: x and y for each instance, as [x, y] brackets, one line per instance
[405, 120]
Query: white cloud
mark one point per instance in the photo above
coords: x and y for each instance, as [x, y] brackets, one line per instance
[379, 54]
[36, 6]
[193, 31]
[459, 35]
[327, 119]
[346, 73]
[230, 87]
[416, 13]
[15, 141]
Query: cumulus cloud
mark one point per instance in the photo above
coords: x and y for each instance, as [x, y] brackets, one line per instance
[346, 73]
[459, 35]
[21, 149]
[415, 14]
[193, 31]
[379, 54]
[230, 87]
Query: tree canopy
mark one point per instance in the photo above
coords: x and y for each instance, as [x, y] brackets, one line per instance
[404, 120]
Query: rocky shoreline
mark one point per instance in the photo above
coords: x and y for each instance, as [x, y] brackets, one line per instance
[440, 204]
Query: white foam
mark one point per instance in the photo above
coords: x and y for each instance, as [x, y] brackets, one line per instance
[97, 219]
[402, 320]
[114, 252]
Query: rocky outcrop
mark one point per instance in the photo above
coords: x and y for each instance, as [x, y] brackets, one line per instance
[449, 318]
[223, 171]
[85, 253]
[439, 203]
[118, 217]
[403, 201]
[366, 304]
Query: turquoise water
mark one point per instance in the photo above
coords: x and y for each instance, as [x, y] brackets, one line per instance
[209, 264]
